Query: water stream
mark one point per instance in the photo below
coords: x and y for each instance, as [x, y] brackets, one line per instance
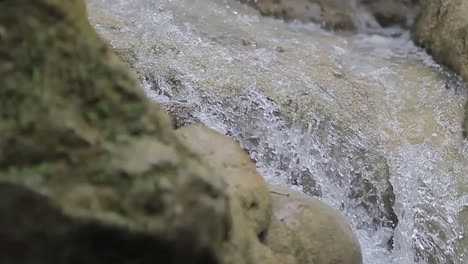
[366, 122]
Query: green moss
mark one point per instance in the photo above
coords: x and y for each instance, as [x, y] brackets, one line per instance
[133, 109]
[70, 117]
[136, 127]
[3, 32]
[144, 185]
[41, 168]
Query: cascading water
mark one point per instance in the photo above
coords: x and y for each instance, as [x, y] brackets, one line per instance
[367, 123]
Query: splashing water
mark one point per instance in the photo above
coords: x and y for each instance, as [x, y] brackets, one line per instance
[368, 123]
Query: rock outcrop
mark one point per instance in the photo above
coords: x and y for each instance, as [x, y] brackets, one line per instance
[90, 170]
[442, 29]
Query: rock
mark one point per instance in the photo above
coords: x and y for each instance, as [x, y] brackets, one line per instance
[181, 114]
[90, 169]
[394, 12]
[250, 201]
[327, 13]
[228, 159]
[310, 230]
[442, 29]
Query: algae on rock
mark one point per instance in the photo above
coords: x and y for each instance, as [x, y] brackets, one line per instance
[82, 143]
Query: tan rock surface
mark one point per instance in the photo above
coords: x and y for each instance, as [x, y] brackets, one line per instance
[310, 230]
[442, 29]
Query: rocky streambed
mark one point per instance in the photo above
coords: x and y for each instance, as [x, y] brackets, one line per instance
[328, 98]
[362, 117]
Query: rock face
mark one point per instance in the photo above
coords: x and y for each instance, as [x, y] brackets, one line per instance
[310, 230]
[442, 29]
[90, 170]
[290, 228]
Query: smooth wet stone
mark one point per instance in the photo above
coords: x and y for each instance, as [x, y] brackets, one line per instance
[310, 230]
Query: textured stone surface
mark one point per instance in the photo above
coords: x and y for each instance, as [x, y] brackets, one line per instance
[310, 230]
[84, 155]
[442, 29]
[250, 201]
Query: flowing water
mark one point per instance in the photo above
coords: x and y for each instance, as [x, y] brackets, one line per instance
[366, 122]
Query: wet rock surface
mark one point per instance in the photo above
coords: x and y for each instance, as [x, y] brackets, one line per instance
[442, 29]
[297, 109]
[310, 230]
[250, 201]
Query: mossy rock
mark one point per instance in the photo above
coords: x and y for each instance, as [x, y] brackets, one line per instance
[82, 142]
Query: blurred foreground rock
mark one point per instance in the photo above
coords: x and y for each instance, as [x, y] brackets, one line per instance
[90, 170]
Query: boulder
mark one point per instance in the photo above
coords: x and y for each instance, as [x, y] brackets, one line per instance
[250, 201]
[91, 170]
[310, 230]
[442, 29]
